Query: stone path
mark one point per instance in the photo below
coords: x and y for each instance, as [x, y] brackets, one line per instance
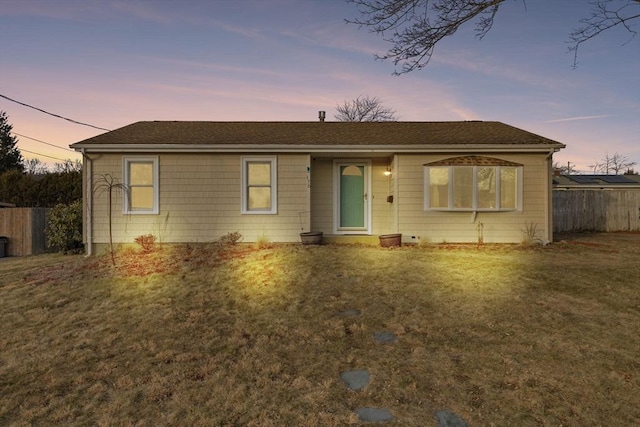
[374, 415]
[358, 379]
[355, 380]
[384, 337]
[449, 419]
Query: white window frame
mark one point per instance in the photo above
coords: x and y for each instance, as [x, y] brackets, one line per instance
[474, 206]
[273, 160]
[126, 209]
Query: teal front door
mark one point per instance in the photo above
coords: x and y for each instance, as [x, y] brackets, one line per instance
[352, 200]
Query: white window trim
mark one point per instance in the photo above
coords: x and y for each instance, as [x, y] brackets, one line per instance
[474, 208]
[274, 185]
[156, 186]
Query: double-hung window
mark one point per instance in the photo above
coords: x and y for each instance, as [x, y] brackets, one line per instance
[473, 183]
[141, 185]
[259, 185]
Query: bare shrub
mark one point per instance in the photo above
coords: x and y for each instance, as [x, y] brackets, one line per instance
[146, 241]
[230, 238]
[530, 235]
[262, 242]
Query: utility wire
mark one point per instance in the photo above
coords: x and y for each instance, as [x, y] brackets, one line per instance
[52, 114]
[42, 142]
[43, 155]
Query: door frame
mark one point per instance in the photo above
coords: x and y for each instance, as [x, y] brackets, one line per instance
[366, 163]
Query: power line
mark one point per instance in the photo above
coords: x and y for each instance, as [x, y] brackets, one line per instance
[52, 114]
[43, 155]
[42, 142]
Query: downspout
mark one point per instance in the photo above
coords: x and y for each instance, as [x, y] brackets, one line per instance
[549, 207]
[396, 195]
[89, 200]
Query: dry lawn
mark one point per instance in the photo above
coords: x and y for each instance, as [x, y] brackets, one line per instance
[241, 336]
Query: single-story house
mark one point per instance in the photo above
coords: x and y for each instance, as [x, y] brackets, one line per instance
[430, 181]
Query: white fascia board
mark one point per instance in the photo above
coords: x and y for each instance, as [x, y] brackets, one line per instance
[302, 148]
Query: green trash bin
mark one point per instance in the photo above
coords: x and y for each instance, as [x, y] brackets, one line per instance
[3, 242]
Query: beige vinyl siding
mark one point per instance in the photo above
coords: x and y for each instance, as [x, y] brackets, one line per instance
[381, 187]
[393, 212]
[418, 225]
[200, 198]
[322, 195]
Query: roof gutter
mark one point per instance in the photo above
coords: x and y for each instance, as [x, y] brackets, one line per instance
[302, 148]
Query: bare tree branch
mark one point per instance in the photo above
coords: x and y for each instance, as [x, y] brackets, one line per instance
[606, 14]
[364, 109]
[567, 169]
[68, 166]
[596, 167]
[34, 167]
[612, 164]
[415, 27]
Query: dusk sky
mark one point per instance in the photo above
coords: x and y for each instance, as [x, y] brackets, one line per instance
[112, 63]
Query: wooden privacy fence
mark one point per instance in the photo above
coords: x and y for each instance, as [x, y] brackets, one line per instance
[25, 228]
[596, 210]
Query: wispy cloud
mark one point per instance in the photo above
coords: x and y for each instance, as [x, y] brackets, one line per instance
[572, 119]
[249, 33]
[86, 11]
[143, 11]
[187, 65]
[492, 66]
[52, 10]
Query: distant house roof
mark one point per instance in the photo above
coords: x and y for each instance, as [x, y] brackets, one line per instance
[178, 136]
[596, 181]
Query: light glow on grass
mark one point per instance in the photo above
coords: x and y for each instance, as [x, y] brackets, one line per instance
[482, 274]
[239, 335]
[264, 276]
[138, 273]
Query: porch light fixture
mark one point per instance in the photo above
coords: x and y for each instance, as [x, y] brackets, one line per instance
[387, 172]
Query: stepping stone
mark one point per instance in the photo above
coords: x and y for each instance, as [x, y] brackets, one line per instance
[355, 380]
[374, 415]
[449, 419]
[351, 312]
[384, 337]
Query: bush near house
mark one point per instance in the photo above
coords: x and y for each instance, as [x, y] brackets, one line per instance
[61, 189]
[64, 228]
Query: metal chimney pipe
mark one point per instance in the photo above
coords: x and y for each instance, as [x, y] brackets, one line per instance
[322, 115]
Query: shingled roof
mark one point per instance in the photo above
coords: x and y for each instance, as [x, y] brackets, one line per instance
[328, 134]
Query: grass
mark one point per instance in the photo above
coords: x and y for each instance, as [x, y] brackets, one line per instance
[238, 335]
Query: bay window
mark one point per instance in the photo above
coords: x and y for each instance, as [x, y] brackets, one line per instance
[473, 187]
